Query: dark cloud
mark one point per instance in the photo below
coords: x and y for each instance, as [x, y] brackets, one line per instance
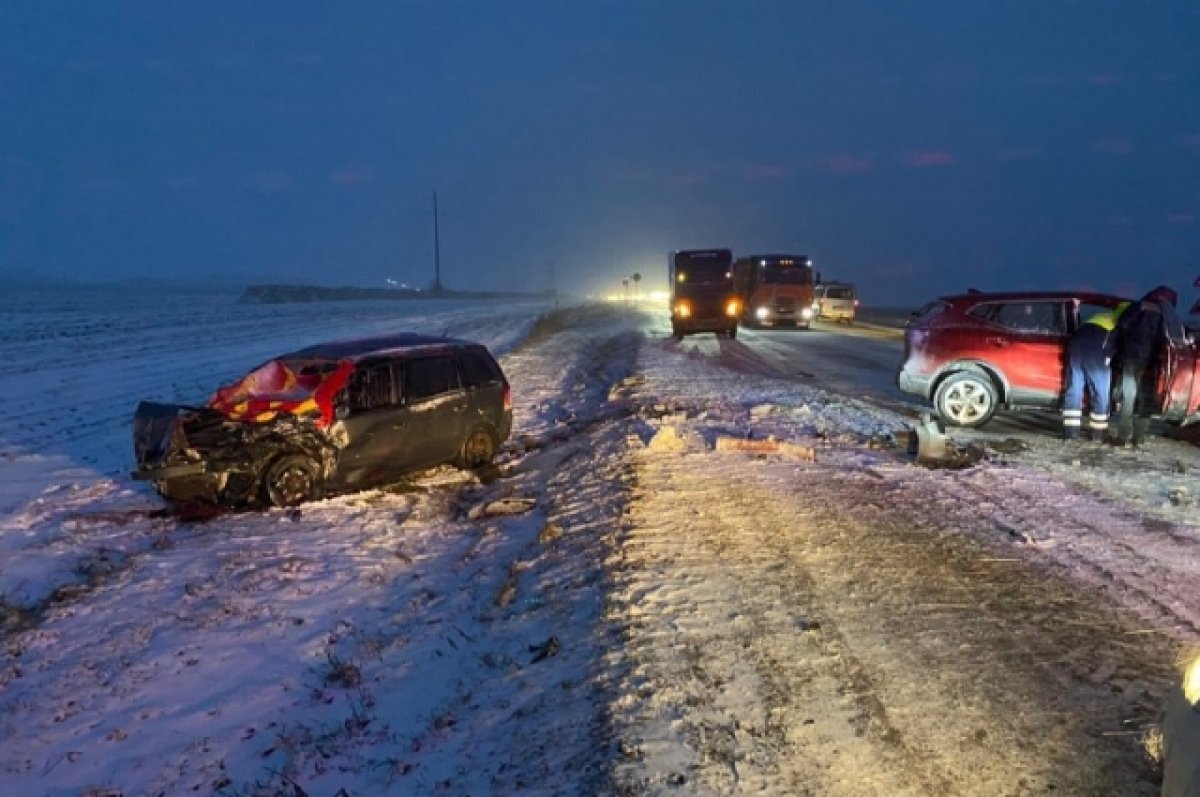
[926, 158]
[848, 163]
[1011, 154]
[269, 182]
[351, 176]
[1113, 146]
[766, 171]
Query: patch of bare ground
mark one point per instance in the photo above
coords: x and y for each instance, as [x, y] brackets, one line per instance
[844, 644]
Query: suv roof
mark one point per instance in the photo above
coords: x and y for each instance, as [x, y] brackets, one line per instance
[358, 348]
[983, 296]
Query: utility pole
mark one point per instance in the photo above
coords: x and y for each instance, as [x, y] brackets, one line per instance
[437, 249]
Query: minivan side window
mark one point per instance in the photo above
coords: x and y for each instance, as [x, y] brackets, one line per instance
[425, 377]
[477, 370]
[370, 387]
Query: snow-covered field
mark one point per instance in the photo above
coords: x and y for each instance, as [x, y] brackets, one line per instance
[626, 610]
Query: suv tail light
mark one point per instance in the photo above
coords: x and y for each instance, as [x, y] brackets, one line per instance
[507, 397]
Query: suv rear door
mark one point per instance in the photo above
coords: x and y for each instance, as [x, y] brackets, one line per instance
[1026, 341]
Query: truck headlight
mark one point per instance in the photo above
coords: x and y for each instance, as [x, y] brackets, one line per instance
[683, 309]
[761, 313]
[806, 313]
[733, 307]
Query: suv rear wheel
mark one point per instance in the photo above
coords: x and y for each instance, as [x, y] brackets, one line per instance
[967, 398]
[291, 480]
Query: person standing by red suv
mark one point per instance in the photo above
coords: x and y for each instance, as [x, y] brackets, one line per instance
[1089, 359]
[1142, 333]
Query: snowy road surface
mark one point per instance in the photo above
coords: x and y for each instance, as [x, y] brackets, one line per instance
[624, 611]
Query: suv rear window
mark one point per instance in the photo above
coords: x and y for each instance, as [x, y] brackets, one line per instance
[929, 312]
[1044, 317]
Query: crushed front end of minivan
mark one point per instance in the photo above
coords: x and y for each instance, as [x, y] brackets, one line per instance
[217, 453]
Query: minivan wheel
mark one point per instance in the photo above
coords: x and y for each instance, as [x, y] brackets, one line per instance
[967, 398]
[478, 449]
[291, 480]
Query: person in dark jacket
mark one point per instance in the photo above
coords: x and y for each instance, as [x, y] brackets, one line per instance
[1143, 333]
[1089, 356]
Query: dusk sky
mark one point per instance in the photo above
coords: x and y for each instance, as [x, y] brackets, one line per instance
[914, 148]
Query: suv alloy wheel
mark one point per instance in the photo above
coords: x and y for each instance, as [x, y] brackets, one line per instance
[967, 398]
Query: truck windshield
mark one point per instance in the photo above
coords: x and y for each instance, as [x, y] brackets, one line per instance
[708, 274]
[784, 275]
[708, 268]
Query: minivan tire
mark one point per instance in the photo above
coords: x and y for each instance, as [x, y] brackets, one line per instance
[291, 480]
[478, 449]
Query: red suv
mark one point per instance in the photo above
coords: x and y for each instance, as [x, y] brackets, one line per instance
[975, 353]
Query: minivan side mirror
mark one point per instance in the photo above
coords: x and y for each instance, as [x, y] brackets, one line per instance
[341, 412]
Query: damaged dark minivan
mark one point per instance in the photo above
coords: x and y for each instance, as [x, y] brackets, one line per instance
[331, 418]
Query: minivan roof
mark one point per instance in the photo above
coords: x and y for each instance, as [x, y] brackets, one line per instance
[358, 348]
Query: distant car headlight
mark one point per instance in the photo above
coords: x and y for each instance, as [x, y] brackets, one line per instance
[733, 307]
[806, 313]
[683, 310]
[761, 313]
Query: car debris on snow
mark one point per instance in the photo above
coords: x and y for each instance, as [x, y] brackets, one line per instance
[503, 506]
[767, 446]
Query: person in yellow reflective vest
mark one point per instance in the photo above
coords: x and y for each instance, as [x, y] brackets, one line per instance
[1089, 370]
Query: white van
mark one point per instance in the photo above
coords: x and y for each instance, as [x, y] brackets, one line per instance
[836, 301]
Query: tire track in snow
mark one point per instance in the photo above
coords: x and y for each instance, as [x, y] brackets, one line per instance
[743, 689]
[938, 666]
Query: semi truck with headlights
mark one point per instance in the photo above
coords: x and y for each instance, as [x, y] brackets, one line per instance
[775, 290]
[703, 298]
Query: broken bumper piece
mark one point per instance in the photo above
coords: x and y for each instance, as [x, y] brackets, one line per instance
[170, 472]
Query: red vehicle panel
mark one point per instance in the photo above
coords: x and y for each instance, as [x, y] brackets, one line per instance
[975, 353]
